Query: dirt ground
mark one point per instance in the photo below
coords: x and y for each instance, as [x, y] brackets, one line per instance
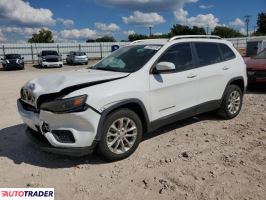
[199, 158]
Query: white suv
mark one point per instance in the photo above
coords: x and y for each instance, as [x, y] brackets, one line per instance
[135, 90]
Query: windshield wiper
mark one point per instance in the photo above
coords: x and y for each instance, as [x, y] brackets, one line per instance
[107, 69]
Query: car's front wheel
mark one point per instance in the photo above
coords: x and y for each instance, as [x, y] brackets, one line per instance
[122, 133]
[232, 102]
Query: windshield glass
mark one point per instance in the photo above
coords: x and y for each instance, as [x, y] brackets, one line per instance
[79, 54]
[49, 53]
[12, 56]
[128, 59]
[261, 55]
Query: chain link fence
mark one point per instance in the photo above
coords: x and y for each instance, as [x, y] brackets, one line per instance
[30, 51]
[93, 50]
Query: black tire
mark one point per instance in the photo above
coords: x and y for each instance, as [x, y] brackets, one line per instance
[224, 110]
[103, 148]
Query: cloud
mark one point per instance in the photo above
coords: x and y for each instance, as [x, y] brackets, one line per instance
[206, 6]
[79, 34]
[237, 22]
[144, 19]
[67, 23]
[147, 5]
[130, 32]
[25, 31]
[107, 28]
[199, 20]
[21, 12]
[181, 15]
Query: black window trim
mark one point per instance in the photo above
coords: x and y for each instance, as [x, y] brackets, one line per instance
[153, 71]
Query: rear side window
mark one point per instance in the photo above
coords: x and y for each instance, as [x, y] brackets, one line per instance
[208, 53]
[228, 54]
[180, 55]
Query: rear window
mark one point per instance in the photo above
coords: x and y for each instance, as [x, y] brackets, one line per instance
[12, 56]
[79, 53]
[208, 53]
[49, 53]
[228, 54]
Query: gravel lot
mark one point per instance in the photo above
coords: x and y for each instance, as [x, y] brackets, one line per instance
[199, 158]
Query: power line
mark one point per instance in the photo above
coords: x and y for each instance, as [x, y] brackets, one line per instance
[247, 20]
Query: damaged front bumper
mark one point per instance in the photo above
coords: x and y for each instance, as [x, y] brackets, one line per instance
[69, 134]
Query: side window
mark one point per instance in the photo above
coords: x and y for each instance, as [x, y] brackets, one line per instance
[180, 55]
[208, 53]
[228, 54]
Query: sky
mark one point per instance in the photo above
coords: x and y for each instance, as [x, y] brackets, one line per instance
[79, 20]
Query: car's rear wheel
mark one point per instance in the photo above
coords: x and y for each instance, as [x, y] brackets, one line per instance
[122, 133]
[232, 102]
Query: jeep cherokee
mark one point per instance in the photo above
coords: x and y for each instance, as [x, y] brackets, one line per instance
[136, 89]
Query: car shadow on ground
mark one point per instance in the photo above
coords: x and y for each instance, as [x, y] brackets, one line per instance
[15, 146]
[257, 89]
[211, 116]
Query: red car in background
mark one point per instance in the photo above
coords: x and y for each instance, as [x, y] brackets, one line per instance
[256, 68]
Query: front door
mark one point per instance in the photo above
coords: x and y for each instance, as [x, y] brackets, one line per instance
[178, 90]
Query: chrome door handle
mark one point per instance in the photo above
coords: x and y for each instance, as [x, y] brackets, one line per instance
[192, 76]
[225, 68]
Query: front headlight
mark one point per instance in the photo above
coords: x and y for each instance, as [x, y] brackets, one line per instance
[7, 61]
[43, 59]
[69, 105]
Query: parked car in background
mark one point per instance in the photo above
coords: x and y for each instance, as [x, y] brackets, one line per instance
[135, 90]
[13, 61]
[254, 46]
[256, 68]
[50, 59]
[77, 57]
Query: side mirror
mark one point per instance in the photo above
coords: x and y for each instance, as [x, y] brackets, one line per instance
[2, 58]
[67, 55]
[39, 55]
[22, 58]
[165, 66]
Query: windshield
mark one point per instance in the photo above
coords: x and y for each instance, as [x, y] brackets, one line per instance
[128, 59]
[261, 55]
[12, 56]
[79, 54]
[49, 53]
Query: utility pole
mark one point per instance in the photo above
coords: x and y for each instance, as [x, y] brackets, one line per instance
[150, 28]
[207, 29]
[247, 20]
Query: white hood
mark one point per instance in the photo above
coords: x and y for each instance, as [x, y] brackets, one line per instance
[57, 82]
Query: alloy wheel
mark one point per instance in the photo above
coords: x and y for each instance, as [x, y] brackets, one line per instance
[121, 135]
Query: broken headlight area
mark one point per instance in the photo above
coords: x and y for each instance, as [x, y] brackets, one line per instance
[69, 105]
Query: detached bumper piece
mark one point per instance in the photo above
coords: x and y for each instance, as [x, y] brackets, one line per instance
[42, 143]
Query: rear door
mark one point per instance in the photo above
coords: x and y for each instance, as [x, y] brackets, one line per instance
[211, 71]
[177, 90]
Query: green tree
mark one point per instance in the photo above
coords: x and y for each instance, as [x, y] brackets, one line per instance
[90, 40]
[134, 37]
[179, 29]
[261, 23]
[226, 32]
[44, 36]
[106, 39]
